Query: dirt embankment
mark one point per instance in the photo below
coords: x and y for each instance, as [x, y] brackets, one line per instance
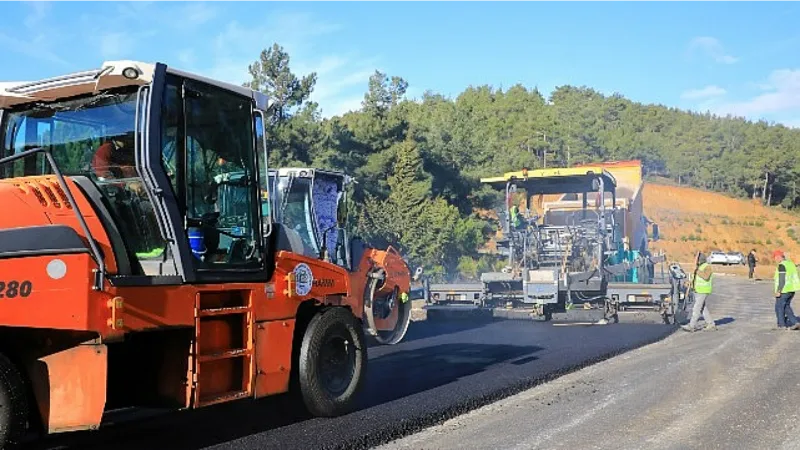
[691, 220]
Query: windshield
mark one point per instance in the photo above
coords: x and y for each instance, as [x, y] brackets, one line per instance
[92, 137]
[295, 203]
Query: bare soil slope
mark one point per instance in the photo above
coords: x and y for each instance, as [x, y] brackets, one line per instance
[691, 219]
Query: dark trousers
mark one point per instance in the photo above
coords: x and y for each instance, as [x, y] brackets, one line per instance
[752, 268]
[783, 310]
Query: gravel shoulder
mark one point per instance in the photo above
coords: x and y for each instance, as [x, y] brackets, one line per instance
[728, 389]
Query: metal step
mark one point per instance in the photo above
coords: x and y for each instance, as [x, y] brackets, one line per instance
[235, 353]
[223, 311]
[222, 398]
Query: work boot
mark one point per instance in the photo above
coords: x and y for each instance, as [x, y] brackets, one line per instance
[688, 328]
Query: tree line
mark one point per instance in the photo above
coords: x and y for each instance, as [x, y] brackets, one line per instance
[418, 162]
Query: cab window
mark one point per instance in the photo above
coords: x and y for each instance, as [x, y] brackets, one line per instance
[296, 210]
[90, 137]
[222, 192]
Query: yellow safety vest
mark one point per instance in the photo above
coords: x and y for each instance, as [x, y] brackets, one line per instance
[702, 286]
[792, 282]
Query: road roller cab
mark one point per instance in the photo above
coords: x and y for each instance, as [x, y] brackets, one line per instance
[127, 280]
[312, 206]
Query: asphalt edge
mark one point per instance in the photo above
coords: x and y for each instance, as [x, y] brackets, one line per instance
[406, 428]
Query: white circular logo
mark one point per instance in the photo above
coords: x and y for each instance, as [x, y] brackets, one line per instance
[303, 279]
[56, 269]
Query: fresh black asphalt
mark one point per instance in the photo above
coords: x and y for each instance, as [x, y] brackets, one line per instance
[442, 369]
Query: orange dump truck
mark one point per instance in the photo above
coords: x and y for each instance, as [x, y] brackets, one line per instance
[124, 280]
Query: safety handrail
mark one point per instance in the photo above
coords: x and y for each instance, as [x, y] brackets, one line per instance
[100, 273]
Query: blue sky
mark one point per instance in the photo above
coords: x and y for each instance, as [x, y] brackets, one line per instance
[739, 58]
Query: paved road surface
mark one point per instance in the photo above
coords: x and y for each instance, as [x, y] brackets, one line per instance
[440, 371]
[735, 388]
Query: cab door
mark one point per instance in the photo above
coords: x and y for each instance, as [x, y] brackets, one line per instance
[220, 185]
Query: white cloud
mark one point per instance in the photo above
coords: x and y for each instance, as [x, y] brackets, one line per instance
[196, 14]
[33, 48]
[791, 123]
[782, 96]
[341, 106]
[706, 92]
[37, 37]
[186, 57]
[341, 78]
[115, 45]
[330, 86]
[712, 48]
[38, 14]
[135, 11]
[328, 64]
[207, 44]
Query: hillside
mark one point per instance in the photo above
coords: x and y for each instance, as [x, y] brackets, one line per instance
[691, 219]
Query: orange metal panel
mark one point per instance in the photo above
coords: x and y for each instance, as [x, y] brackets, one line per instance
[70, 387]
[157, 306]
[397, 275]
[271, 302]
[26, 213]
[60, 295]
[219, 378]
[218, 334]
[45, 203]
[273, 356]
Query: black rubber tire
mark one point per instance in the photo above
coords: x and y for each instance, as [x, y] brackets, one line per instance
[330, 326]
[13, 404]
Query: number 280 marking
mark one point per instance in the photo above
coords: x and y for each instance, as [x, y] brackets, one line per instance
[14, 289]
